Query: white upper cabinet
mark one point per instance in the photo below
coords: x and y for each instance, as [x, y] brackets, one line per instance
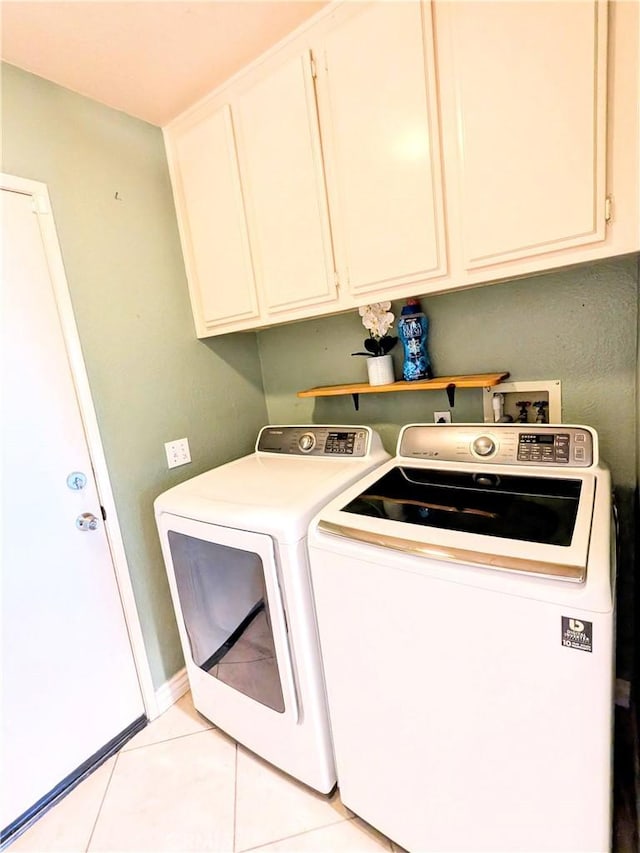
[211, 216]
[527, 87]
[283, 179]
[378, 110]
[399, 147]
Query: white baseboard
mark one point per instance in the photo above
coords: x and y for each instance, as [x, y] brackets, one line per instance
[169, 692]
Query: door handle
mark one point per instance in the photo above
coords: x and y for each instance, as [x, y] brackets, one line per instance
[86, 521]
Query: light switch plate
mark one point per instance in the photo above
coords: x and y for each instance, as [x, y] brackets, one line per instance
[442, 417]
[177, 452]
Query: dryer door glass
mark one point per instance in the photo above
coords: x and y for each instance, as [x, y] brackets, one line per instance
[226, 611]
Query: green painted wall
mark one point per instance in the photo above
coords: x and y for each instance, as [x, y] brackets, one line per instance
[152, 380]
[577, 325]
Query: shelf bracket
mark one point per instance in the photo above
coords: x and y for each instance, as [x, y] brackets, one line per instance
[356, 401]
[451, 394]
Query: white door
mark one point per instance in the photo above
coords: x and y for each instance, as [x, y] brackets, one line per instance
[69, 683]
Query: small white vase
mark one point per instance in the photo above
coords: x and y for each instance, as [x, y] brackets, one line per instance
[380, 370]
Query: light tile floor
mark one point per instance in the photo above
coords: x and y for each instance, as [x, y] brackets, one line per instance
[183, 785]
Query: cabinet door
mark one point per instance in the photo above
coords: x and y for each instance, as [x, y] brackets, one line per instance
[284, 185]
[530, 110]
[378, 105]
[212, 223]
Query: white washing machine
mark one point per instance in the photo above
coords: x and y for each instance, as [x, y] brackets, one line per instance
[465, 602]
[234, 542]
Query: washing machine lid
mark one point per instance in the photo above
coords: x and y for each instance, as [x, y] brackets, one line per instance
[537, 522]
[530, 509]
[276, 495]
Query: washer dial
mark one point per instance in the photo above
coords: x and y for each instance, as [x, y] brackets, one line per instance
[484, 445]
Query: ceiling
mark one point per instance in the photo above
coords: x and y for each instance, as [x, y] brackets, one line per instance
[149, 58]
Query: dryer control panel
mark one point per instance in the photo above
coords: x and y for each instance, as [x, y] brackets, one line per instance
[339, 441]
[507, 444]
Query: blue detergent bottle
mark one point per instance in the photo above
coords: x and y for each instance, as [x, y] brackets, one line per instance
[413, 327]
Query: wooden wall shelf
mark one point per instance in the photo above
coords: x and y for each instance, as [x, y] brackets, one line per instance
[440, 383]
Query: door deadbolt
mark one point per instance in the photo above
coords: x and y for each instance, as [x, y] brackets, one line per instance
[76, 480]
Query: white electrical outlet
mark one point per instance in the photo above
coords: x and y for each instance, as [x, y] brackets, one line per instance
[177, 452]
[442, 417]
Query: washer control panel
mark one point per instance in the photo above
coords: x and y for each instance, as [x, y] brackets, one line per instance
[324, 441]
[547, 447]
[507, 444]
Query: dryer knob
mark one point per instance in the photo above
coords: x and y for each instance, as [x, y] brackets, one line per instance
[307, 442]
[484, 445]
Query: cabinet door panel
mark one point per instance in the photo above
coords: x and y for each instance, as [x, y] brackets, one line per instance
[379, 102]
[214, 230]
[530, 104]
[284, 184]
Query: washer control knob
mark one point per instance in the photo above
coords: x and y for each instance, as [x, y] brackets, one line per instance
[307, 442]
[484, 446]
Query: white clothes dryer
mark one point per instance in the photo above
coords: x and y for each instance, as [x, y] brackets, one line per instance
[465, 600]
[234, 542]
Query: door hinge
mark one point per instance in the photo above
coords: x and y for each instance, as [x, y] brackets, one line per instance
[314, 68]
[336, 280]
[608, 208]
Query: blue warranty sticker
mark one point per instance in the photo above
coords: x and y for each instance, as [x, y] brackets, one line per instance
[577, 634]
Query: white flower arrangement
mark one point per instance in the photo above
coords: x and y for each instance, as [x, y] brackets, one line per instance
[377, 319]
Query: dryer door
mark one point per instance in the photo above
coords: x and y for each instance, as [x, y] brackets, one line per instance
[228, 602]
